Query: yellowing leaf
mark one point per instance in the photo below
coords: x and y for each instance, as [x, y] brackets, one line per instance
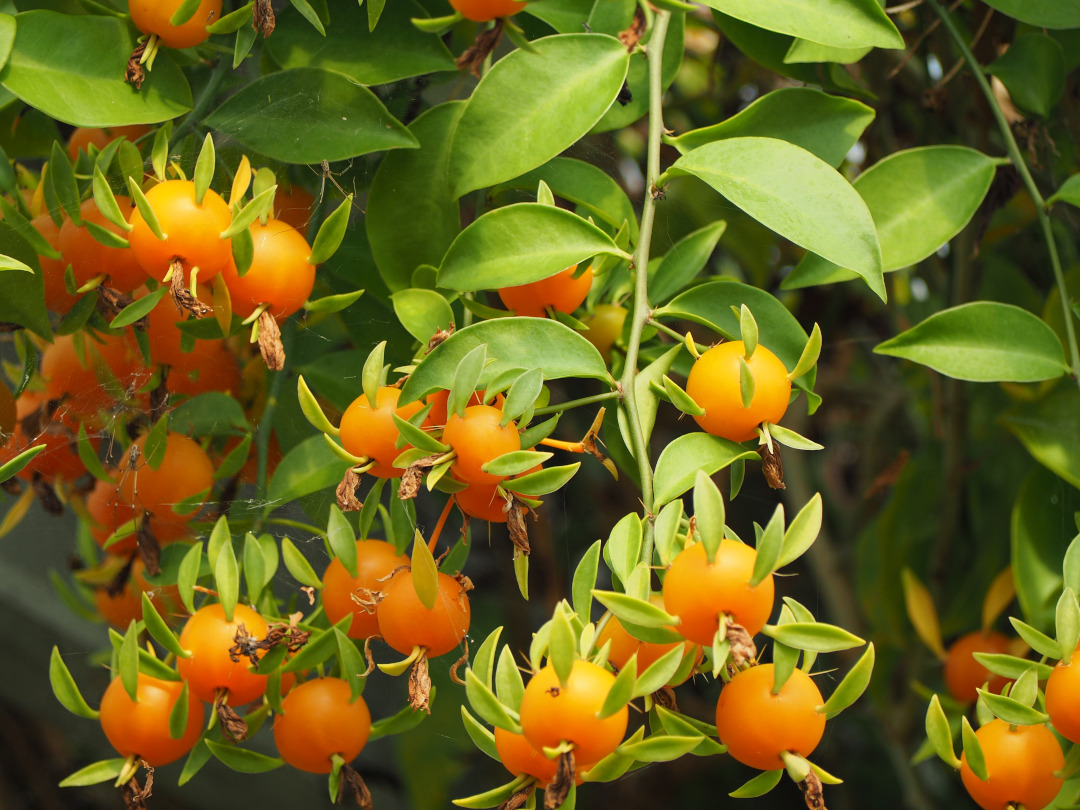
[998, 596]
[923, 614]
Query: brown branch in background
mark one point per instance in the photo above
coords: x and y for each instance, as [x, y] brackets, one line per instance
[974, 41]
[918, 43]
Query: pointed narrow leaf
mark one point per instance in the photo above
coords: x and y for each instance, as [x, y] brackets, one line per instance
[1012, 711]
[188, 575]
[342, 541]
[939, 733]
[660, 671]
[621, 691]
[255, 209]
[405, 720]
[680, 461]
[923, 614]
[709, 514]
[973, 752]
[854, 684]
[680, 399]
[485, 704]
[544, 481]
[160, 631]
[759, 785]
[65, 688]
[813, 636]
[1067, 622]
[242, 759]
[509, 685]
[11, 468]
[562, 646]
[129, 661]
[802, 532]
[227, 578]
[298, 565]
[94, 774]
[1038, 641]
[584, 582]
[425, 574]
[635, 611]
[331, 233]
[480, 734]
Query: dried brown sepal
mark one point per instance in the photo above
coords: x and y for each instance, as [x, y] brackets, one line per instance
[438, 338]
[347, 490]
[485, 43]
[309, 592]
[519, 799]
[234, 726]
[414, 475]
[665, 696]
[369, 658]
[270, 345]
[116, 585]
[245, 645]
[135, 795]
[632, 35]
[367, 598]
[134, 74]
[592, 443]
[263, 19]
[555, 793]
[181, 295]
[515, 524]
[812, 792]
[111, 303]
[290, 635]
[40, 421]
[149, 547]
[159, 397]
[463, 660]
[772, 466]
[46, 495]
[743, 650]
[464, 586]
[420, 684]
[357, 788]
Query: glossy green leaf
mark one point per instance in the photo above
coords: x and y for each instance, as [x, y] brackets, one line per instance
[769, 546]
[709, 513]
[827, 126]
[1011, 667]
[758, 785]
[661, 671]
[973, 752]
[1033, 71]
[1012, 711]
[1037, 640]
[227, 578]
[966, 342]
[544, 482]
[839, 23]
[1069, 192]
[411, 186]
[852, 686]
[481, 735]
[1050, 430]
[405, 720]
[128, 659]
[919, 199]
[519, 244]
[529, 107]
[320, 646]
[514, 463]
[298, 565]
[684, 456]
[648, 402]
[584, 581]
[562, 646]
[86, 87]
[188, 575]
[659, 748]
[11, 468]
[423, 312]
[683, 261]
[339, 534]
[496, 797]
[243, 759]
[940, 734]
[339, 118]
[65, 688]
[23, 302]
[622, 551]
[813, 636]
[801, 532]
[485, 704]
[398, 51]
[794, 193]
[509, 685]
[1067, 623]
[635, 611]
[1041, 13]
[94, 774]
[514, 343]
[309, 467]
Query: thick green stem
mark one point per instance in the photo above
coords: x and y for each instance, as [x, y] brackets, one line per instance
[576, 403]
[1025, 175]
[640, 311]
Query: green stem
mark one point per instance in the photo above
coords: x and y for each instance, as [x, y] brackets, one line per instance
[576, 403]
[296, 524]
[205, 98]
[671, 333]
[641, 310]
[1025, 175]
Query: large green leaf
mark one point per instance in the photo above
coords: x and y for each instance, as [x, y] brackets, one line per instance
[919, 199]
[828, 126]
[412, 186]
[1033, 71]
[585, 185]
[678, 465]
[982, 341]
[532, 105]
[399, 49]
[23, 298]
[307, 115]
[519, 244]
[513, 343]
[72, 68]
[683, 261]
[840, 23]
[1041, 13]
[711, 305]
[308, 467]
[794, 193]
[1041, 529]
[1050, 430]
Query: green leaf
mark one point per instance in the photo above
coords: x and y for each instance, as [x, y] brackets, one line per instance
[480, 734]
[1033, 70]
[758, 785]
[683, 457]
[24, 296]
[1011, 667]
[298, 565]
[1012, 711]
[188, 575]
[562, 646]
[852, 686]
[11, 468]
[973, 752]
[8, 263]
[661, 671]
[584, 582]
[333, 303]
[128, 659]
[802, 532]
[1042, 13]
[622, 551]
[160, 631]
[813, 636]
[621, 690]
[61, 176]
[1069, 192]
[484, 660]
[709, 513]
[485, 704]
[556, 350]
[522, 395]
[138, 308]
[635, 611]
[309, 467]
[965, 342]
[1050, 430]
[680, 399]
[515, 462]
[1067, 623]
[519, 244]
[529, 107]
[1038, 641]
[425, 574]
[682, 263]
[320, 646]
[496, 797]
[839, 23]
[227, 577]
[398, 51]
[87, 86]
[422, 312]
[659, 748]
[342, 541]
[312, 410]
[509, 685]
[769, 546]
[94, 774]
[405, 720]
[795, 194]
[339, 118]
[65, 688]
[178, 716]
[331, 233]
[939, 733]
[242, 759]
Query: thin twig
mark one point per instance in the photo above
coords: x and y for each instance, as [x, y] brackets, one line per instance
[974, 41]
[918, 43]
[900, 9]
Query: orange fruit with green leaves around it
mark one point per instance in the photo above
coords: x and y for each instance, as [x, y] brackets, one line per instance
[57, 297]
[963, 674]
[552, 712]
[293, 205]
[141, 726]
[757, 725]
[192, 231]
[89, 258]
[698, 591]
[280, 274]
[715, 384]
[209, 636]
[153, 17]
[562, 291]
[343, 594]
[477, 438]
[91, 373]
[624, 645]
[1062, 688]
[184, 473]
[320, 718]
[122, 608]
[371, 433]
[85, 137]
[1020, 766]
[405, 623]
